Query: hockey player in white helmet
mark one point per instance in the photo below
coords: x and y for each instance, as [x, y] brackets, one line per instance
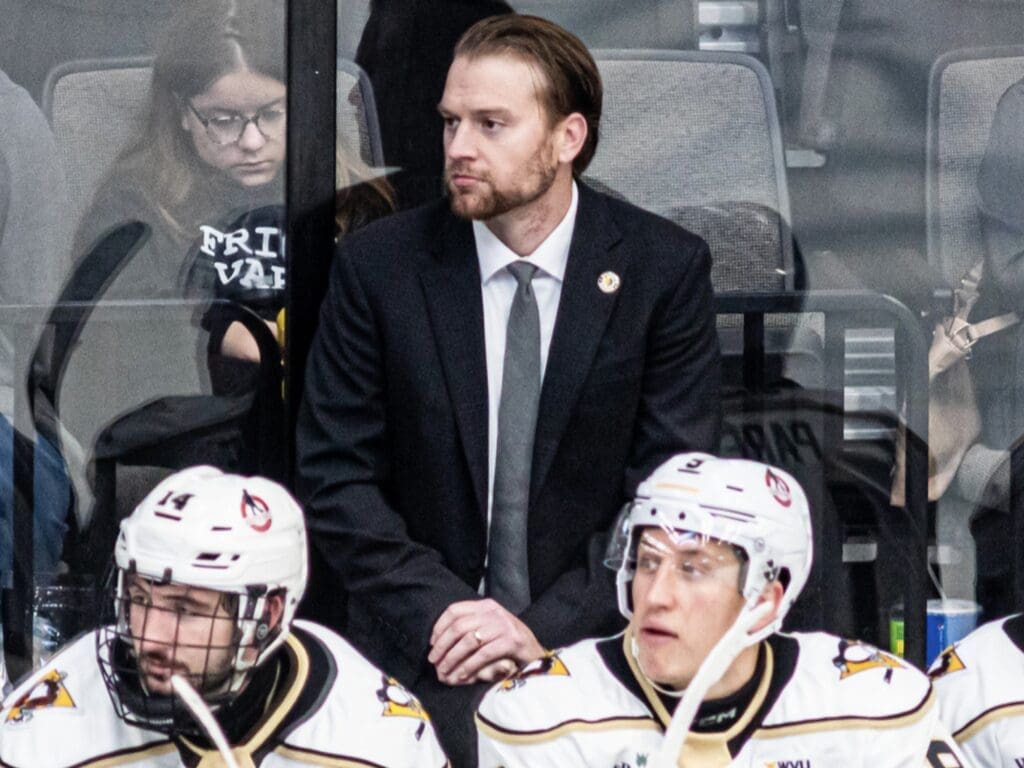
[980, 684]
[203, 663]
[709, 557]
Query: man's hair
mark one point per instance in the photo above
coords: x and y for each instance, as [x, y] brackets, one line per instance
[573, 83]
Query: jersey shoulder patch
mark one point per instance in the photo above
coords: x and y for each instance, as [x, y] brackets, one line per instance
[549, 664]
[569, 688]
[837, 679]
[60, 684]
[979, 680]
[982, 645]
[366, 715]
[48, 691]
[69, 699]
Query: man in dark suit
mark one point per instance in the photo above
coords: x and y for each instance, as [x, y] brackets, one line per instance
[492, 377]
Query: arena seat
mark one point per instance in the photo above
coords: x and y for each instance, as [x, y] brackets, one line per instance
[964, 89]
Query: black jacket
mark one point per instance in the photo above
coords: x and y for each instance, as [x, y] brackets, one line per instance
[392, 433]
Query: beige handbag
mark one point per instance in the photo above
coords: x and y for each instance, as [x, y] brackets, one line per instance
[954, 422]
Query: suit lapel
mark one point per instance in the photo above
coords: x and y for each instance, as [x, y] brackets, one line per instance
[583, 312]
[455, 306]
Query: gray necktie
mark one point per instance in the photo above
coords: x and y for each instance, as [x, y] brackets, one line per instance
[508, 578]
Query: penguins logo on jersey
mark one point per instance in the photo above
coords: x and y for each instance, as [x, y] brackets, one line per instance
[949, 662]
[256, 512]
[398, 702]
[856, 657]
[550, 664]
[48, 692]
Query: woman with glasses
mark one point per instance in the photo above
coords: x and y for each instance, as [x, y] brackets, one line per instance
[210, 154]
[213, 144]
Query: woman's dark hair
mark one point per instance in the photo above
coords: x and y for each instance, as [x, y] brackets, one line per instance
[205, 40]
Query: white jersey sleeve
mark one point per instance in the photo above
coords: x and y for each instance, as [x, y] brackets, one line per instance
[849, 703]
[980, 683]
[564, 710]
[62, 716]
[498, 753]
[366, 718]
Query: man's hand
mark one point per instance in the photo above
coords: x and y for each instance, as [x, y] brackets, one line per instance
[479, 641]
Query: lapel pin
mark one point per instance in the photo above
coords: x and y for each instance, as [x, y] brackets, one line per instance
[608, 282]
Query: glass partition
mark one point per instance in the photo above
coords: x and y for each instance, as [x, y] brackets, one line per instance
[817, 145]
[145, 224]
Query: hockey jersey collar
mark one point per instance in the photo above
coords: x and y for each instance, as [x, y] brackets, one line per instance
[780, 659]
[1014, 629]
[294, 698]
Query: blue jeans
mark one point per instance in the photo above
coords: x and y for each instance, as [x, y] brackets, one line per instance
[52, 500]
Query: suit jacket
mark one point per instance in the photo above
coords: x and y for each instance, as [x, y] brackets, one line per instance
[392, 433]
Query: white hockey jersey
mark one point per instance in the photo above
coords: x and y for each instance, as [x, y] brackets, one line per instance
[815, 701]
[333, 708]
[980, 684]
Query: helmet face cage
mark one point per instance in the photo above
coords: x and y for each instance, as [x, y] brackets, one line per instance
[200, 531]
[193, 642]
[759, 510]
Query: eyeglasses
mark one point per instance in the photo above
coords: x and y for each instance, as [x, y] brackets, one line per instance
[228, 128]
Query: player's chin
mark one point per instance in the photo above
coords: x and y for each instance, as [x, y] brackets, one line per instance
[662, 663]
[666, 674]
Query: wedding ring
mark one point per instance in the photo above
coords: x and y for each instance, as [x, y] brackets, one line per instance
[476, 636]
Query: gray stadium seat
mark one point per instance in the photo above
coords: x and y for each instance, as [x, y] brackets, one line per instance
[352, 16]
[95, 107]
[963, 92]
[964, 89]
[694, 136]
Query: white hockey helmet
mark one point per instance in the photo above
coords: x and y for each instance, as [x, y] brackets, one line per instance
[201, 527]
[759, 509]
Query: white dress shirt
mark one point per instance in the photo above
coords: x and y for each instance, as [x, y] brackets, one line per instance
[499, 288]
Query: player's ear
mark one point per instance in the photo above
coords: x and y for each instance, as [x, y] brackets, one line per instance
[275, 609]
[773, 592]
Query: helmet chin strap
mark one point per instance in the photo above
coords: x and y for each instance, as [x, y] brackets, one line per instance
[634, 648]
[733, 642]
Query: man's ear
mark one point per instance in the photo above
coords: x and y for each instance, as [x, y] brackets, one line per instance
[773, 593]
[573, 135]
[275, 610]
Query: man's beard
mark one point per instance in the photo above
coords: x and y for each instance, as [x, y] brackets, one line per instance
[213, 678]
[487, 201]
